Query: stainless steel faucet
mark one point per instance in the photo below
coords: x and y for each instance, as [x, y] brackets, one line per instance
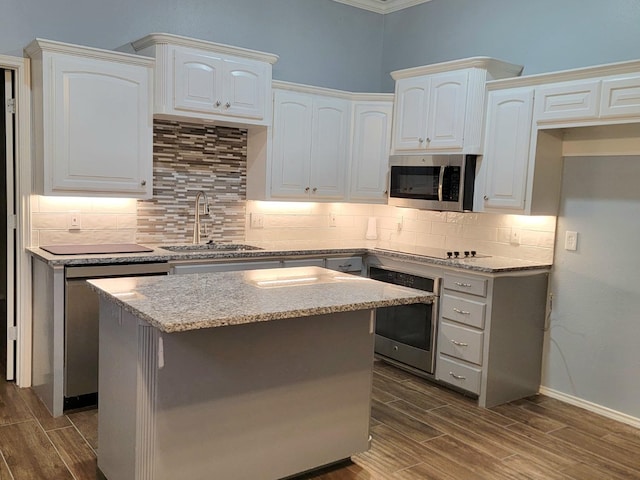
[205, 211]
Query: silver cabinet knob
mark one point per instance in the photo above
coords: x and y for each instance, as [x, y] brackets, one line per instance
[386, 192]
[486, 198]
[307, 189]
[218, 103]
[143, 182]
[227, 105]
[315, 189]
[421, 140]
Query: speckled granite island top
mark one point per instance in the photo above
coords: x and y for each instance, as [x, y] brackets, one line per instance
[178, 303]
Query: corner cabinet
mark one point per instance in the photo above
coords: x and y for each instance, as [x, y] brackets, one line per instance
[440, 107]
[93, 121]
[209, 81]
[327, 145]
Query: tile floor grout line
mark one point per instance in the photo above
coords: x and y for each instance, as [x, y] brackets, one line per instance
[57, 451]
[83, 437]
[4, 460]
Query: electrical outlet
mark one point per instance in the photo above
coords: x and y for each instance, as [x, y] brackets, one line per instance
[74, 221]
[515, 236]
[257, 220]
[400, 223]
[332, 219]
[571, 240]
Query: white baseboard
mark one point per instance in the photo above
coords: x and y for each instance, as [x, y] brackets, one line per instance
[592, 407]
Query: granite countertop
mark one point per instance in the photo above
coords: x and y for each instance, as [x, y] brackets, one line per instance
[489, 264]
[178, 303]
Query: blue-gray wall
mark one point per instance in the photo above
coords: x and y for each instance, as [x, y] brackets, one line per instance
[320, 42]
[325, 43]
[542, 35]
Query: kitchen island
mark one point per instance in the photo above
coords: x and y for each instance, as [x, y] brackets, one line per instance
[244, 375]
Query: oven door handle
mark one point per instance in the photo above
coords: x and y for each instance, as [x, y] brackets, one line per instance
[440, 182]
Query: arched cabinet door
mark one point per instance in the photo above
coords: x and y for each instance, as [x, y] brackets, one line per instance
[507, 147]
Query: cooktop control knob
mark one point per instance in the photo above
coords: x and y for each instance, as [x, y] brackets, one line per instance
[466, 253]
[449, 254]
[456, 254]
[473, 253]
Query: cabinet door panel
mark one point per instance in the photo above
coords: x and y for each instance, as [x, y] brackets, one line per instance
[245, 89]
[447, 104]
[102, 130]
[508, 136]
[410, 117]
[291, 144]
[572, 101]
[620, 98]
[197, 82]
[370, 152]
[329, 148]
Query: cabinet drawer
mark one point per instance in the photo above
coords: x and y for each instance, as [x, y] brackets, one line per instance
[458, 374]
[472, 285]
[463, 311]
[461, 342]
[570, 101]
[345, 264]
[620, 97]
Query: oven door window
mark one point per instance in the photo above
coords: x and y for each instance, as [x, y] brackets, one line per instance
[407, 324]
[415, 182]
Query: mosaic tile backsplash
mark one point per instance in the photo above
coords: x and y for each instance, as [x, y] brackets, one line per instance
[187, 158]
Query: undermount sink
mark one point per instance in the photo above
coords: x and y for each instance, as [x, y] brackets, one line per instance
[226, 247]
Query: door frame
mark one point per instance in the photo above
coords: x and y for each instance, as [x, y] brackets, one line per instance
[22, 172]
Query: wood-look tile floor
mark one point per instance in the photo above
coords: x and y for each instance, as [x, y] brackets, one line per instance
[420, 431]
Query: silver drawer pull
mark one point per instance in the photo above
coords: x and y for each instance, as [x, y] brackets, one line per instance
[460, 344]
[462, 312]
[457, 377]
[466, 285]
[348, 265]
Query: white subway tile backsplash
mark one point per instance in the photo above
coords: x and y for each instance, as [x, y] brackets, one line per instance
[487, 233]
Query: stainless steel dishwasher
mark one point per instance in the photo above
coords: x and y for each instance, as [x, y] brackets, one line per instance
[81, 326]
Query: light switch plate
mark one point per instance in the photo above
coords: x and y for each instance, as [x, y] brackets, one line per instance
[515, 236]
[571, 240]
[332, 219]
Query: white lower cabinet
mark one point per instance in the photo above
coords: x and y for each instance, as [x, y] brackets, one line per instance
[490, 334]
[93, 121]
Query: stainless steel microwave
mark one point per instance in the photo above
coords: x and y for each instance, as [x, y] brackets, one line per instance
[432, 182]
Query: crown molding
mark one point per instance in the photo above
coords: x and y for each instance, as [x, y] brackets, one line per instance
[382, 6]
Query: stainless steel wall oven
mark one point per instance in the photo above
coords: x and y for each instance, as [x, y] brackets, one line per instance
[407, 334]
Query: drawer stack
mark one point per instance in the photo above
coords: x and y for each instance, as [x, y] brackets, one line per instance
[461, 335]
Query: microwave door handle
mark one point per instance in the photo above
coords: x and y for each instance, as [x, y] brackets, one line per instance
[440, 182]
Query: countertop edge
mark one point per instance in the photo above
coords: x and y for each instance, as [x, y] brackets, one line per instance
[161, 255]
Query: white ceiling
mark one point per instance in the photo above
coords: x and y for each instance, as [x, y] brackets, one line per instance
[382, 6]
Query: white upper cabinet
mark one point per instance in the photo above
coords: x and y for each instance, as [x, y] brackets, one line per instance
[620, 97]
[371, 139]
[291, 157]
[410, 120]
[568, 101]
[507, 142]
[446, 111]
[93, 121]
[440, 108]
[521, 169]
[209, 81]
[310, 142]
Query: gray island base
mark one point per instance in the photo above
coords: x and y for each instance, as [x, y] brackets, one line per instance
[282, 393]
